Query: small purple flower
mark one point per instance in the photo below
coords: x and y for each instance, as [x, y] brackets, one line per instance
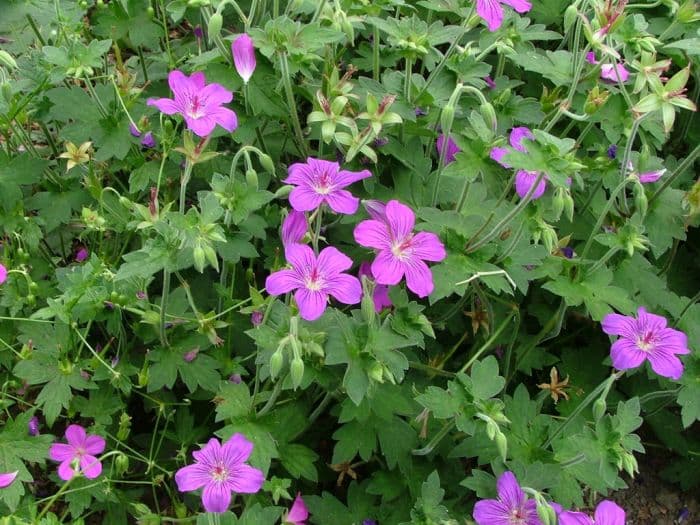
[148, 141]
[256, 318]
[646, 337]
[525, 179]
[294, 228]
[489, 82]
[492, 12]
[33, 426]
[380, 141]
[590, 58]
[610, 73]
[314, 279]
[511, 507]
[220, 470]
[199, 103]
[7, 478]
[298, 513]
[380, 296]
[451, 151]
[567, 251]
[401, 251]
[612, 151]
[81, 255]
[191, 355]
[651, 176]
[244, 56]
[236, 379]
[606, 513]
[141, 295]
[3, 273]
[134, 130]
[321, 181]
[198, 33]
[79, 454]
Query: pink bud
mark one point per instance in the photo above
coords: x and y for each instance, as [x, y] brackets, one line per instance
[244, 56]
[191, 355]
[81, 255]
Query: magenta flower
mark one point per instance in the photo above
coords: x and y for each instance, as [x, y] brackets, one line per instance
[511, 507]
[199, 103]
[646, 337]
[190, 355]
[78, 456]
[489, 82]
[221, 469]
[651, 176]
[401, 252]
[294, 228]
[298, 513]
[3, 273]
[492, 12]
[33, 426]
[380, 296]
[135, 132]
[148, 141]
[244, 56]
[524, 181]
[81, 255]
[314, 279]
[256, 318]
[318, 181]
[452, 148]
[606, 513]
[609, 72]
[6, 479]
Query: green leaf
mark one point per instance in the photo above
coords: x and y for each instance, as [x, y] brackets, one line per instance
[265, 448]
[557, 66]
[232, 400]
[689, 396]
[486, 382]
[299, 461]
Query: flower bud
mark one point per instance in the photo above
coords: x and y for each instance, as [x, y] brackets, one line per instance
[489, 115]
[276, 363]
[143, 375]
[599, 407]
[6, 92]
[569, 206]
[502, 445]
[376, 371]
[199, 258]
[558, 202]
[267, 163]
[546, 513]
[214, 26]
[640, 199]
[251, 177]
[124, 426]
[447, 117]
[121, 463]
[244, 56]
[7, 60]
[570, 17]
[296, 371]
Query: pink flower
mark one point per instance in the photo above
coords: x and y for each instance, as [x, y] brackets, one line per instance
[200, 104]
[79, 454]
[646, 337]
[6, 479]
[452, 148]
[492, 12]
[610, 72]
[221, 469]
[380, 296]
[3, 273]
[524, 181]
[314, 279]
[318, 181]
[244, 56]
[651, 176]
[401, 252]
[512, 506]
[298, 513]
[81, 255]
[294, 228]
[489, 82]
[606, 513]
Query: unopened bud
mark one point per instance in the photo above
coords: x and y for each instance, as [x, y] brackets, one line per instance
[640, 199]
[296, 371]
[251, 177]
[199, 258]
[558, 202]
[502, 445]
[276, 363]
[489, 115]
[570, 17]
[214, 26]
[124, 426]
[7, 60]
[599, 407]
[121, 463]
[376, 372]
[267, 163]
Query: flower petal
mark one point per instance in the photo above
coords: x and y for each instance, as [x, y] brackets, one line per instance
[332, 261]
[491, 11]
[165, 105]
[192, 477]
[197, 81]
[517, 135]
[7, 478]
[202, 126]
[66, 470]
[226, 118]
[651, 176]
[401, 219]
[61, 452]
[427, 246]
[90, 466]
[246, 479]
[342, 201]
[419, 278]
[294, 227]
[574, 518]
[491, 512]
[616, 324]
[94, 444]
[609, 513]
[304, 198]
[236, 450]
[345, 288]
[282, 282]
[625, 354]
[665, 364]
[209, 453]
[672, 341]
[524, 181]
[216, 497]
[213, 95]
[298, 511]
[299, 173]
[346, 178]
[301, 257]
[372, 234]
[387, 269]
[75, 435]
[311, 304]
[521, 6]
[497, 154]
[509, 491]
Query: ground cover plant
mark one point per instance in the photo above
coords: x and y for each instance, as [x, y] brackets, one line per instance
[346, 261]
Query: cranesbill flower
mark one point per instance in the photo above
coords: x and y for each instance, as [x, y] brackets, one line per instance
[651, 176]
[492, 12]
[320, 181]
[294, 228]
[401, 251]
[646, 337]
[511, 507]
[220, 470]
[78, 456]
[516, 138]
[256, 318]
[7, 478]
[452, 148]
[148, 141]
[606, 513]
[610, 73]
[298, 513]
[612, 151]
[523, 182]
[3, 273]
[375, 209]
[81, 255]
[314, 279]
[199, 103]
[489, 82]
[380, 296]
[244, 56]
[135, 132]
[33, 426]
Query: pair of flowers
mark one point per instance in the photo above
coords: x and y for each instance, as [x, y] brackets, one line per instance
[513, 507]
[400, 251]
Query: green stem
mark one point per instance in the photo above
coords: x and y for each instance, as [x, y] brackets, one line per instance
[687, 162]
[375, 53]
[463, 195]
[691, 302]
[435, 441]
[317, 229]
[407, 79]
[489, 342]
[605, 258]
[296, 124]
[319, 10]
[626, 156]
[276, 391]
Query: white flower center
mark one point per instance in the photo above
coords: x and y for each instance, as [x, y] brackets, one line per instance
[402, 248]
[219, 473]
[324, 183]
[313, 281]
[196, 108]
[646, 342]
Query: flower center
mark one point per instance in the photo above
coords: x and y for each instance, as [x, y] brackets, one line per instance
[324, 183]
[313, 281]
[219, 473]
[646, 342]
[516, 517]
[196, 109]
[402, 248]
[80, 451]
